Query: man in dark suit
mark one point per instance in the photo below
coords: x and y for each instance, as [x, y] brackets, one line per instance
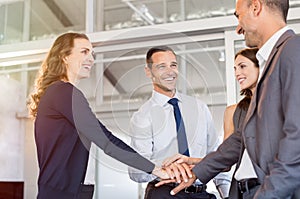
[266, 149]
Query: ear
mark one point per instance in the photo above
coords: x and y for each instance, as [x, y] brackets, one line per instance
[256, 7]
[148, 72]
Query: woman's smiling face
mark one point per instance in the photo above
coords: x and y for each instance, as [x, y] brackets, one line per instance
[246, 73]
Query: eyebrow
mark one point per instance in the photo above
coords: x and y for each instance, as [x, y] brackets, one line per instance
[160, 64]
[85, 48]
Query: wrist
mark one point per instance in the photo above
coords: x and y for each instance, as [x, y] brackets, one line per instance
[194, 160]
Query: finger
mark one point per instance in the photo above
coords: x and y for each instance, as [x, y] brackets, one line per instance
[183, 185]
[164, 182]
[169, 172]
[182, 171]
[187, 170]
[180, 160]
[177, 189]
[176, 171]
[183, 159]
[170, 160]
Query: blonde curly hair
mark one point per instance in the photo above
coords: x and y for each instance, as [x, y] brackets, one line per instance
[53, 68]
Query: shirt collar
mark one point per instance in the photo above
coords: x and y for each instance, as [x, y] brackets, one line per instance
[162, 99]
[265, 51]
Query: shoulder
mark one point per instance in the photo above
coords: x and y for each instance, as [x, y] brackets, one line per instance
[142, 113]
[145, 108]
[191, 100]
[61, 87]
[229, 111]
[289, 57]
[62, 91]
[291, 47]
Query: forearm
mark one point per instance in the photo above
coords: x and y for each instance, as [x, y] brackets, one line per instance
[140, 176]
[215, 162]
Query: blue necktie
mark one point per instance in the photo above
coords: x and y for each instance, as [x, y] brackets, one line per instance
[181, 135]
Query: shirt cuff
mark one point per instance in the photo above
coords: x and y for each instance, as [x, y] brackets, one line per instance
[223, 190]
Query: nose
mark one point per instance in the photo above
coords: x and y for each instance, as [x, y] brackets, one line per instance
[237, 72]
[239, 29]
[91, 58]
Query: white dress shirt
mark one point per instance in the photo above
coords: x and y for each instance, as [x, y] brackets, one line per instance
[246, 169]
[153, 132]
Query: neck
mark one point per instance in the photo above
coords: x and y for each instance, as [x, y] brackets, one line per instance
[73, 80]
[169, 93]
[270, 29]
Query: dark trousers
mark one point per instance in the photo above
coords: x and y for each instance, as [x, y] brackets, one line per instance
[47, 192]
[163, 192]
[250, 193]
[296, 194]
[86, 192]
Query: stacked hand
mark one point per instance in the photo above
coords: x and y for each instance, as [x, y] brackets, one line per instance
[178, 169]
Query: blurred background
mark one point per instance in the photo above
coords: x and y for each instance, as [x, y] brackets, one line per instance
[202, 33]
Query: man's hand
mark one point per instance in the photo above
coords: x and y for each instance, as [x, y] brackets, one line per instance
[179, 158]
[179, 172]
[181, 186]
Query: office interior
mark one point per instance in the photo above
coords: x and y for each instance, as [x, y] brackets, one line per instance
[202, 33]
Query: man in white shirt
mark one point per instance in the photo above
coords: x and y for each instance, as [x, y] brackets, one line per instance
[270, 137]
[153, 127]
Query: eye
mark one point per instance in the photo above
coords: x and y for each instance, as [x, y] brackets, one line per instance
[243, 66]
[160, 67]
[85, 52]
[174, 66]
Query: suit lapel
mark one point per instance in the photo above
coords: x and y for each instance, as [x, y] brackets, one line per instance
[254, 102]
[255, 96]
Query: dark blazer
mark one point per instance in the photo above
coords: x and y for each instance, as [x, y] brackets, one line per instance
[271, 130]
[65, 126]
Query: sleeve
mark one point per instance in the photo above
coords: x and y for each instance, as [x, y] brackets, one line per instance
[284, 174]
[141, 141]
[90, 129]
[217, 161]
[223, 180]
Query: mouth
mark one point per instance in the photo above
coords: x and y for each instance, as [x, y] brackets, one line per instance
[87, 67]
[241, 80]
[170, 78]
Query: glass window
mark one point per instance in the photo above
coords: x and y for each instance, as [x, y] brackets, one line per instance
[125, 14]
[11, 22]
[201, 66]
[47, 18]
[52, 17]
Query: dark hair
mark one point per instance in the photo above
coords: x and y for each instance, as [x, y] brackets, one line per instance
[281, 6]
[156, 49]
[249, 53]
